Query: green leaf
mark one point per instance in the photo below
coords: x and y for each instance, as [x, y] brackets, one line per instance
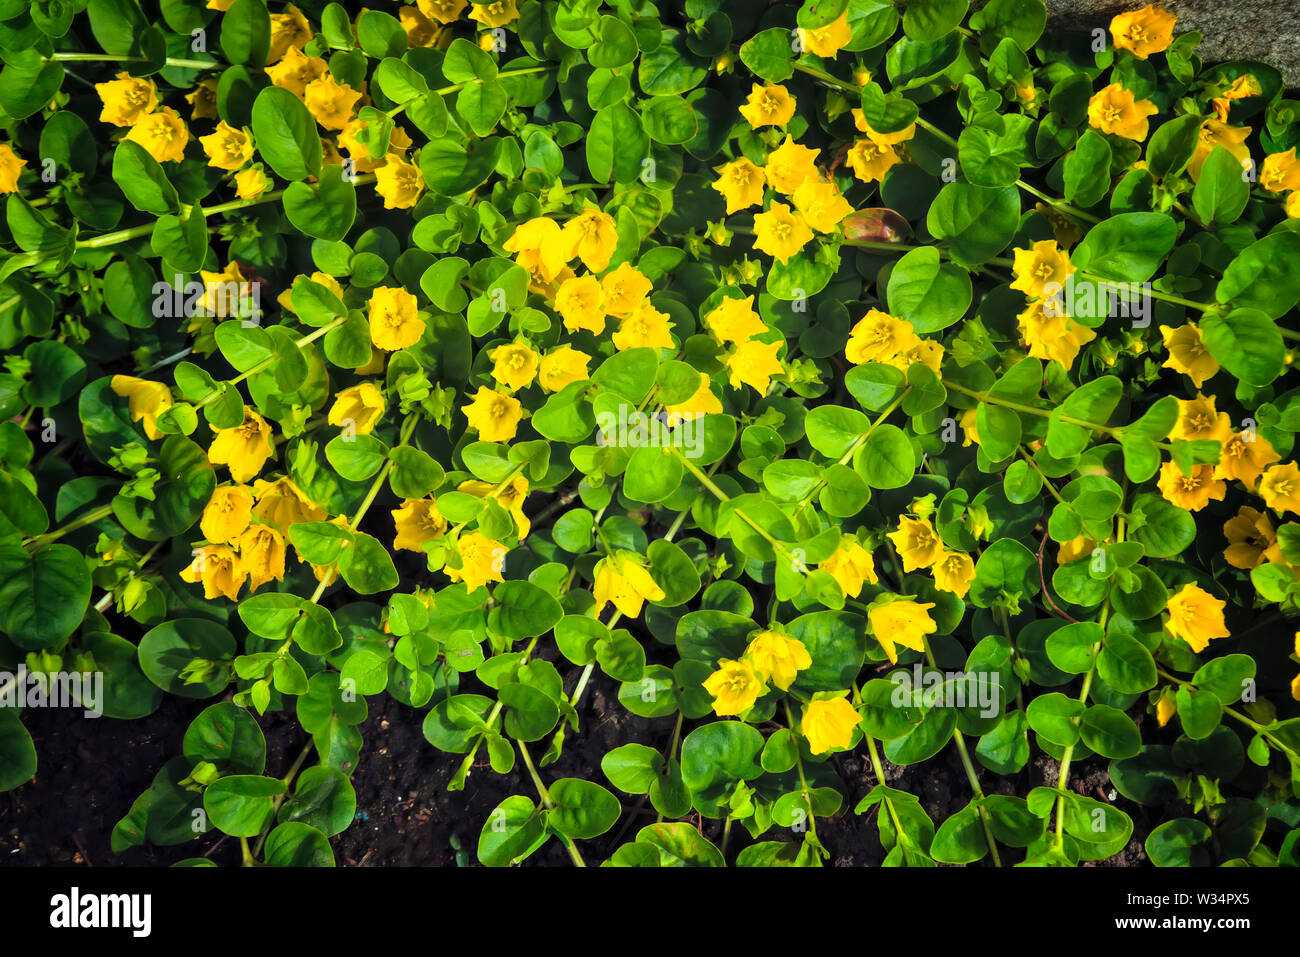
[285, 132]
[322, 210]
[1126, 248]
[1221, 195]
[976, 222]
[1246, 342]
[17, 752]
[929, 294]
[43, 596]
[583, 809]
[1263, 276]
[366, 565]
[616, 144]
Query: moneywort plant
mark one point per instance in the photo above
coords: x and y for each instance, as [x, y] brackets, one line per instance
[860, 377]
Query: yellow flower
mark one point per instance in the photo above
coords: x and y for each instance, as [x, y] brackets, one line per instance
[162, 134]
[789, 166]
[539, 246]
[399, 183]
[1187, 353]
[362, 405]
[623, 581]
[282, 504]
[227, 514]
[1280, 488]
[734, 320]
[444, 11]
[702, 402]
[770, 105]
[578, 301]
[828, 40]
[917, 543]
[1192, 492]
[203, 99]
[735, 686]
[1196, 617]
[514, 365]
[851, 566]
[417, 521]
[261, 554]
[623, 290]
[288, 29]
[969, 427]
[646, 327]
[1040, 265]
[220, 570]
[1280, 172]
[954, 571]
[561, 367]
[1218, 133]
[223, 291]
[222, 5]
[828, 724]
[925, 351]
[592, 236]
[871, 158]
[285, 299]
[1053, 337]
[1113, 109]
[394, 321]
[296, 70]
[147, 400]
[127, 99]
[1242, 87]
[1251, 539]
[753, 363]
[495, 415]
[510, 496]
[741, 183]
[482, 561]
[1074, 549]
[420, 30]
[876, 337]
[496, 14]
[1243, 460]
[821, 205]
[359, 152]
[1143, 32]
[11, 168]
[777, 658]
[780, 232]
[1197, 419]
[244, 448]
[330, 102]
[1292, 205]
[227, 148]
[901, 622]
[887, 139]
[251, 182]
[1166, 707]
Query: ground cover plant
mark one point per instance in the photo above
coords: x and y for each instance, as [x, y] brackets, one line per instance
[870, 378]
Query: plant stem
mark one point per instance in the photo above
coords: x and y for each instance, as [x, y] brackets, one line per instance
[107, 58]
[548, 803]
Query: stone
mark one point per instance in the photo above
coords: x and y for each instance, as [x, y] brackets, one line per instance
[1265, 30]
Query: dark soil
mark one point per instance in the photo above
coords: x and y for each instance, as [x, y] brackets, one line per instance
[90, 772]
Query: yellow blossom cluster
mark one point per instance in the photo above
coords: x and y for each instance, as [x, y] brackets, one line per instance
[1050, 332]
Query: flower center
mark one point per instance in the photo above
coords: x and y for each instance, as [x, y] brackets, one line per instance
[1111, 114]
